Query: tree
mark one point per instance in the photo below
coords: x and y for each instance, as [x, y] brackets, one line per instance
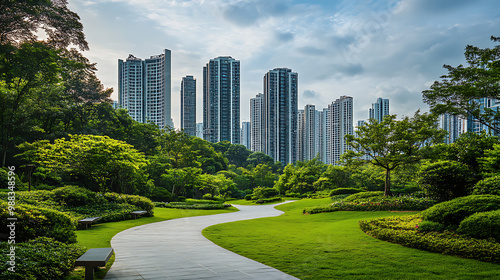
[445, 180]
[237, 154]
[300, 178]
[391, 143]
[108, 164]
[461, 91]
[21, 21]
[182, 180]
[334, 177]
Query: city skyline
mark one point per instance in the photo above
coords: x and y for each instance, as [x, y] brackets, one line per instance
[362, 49]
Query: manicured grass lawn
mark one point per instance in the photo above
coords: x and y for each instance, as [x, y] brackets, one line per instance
[331, 246]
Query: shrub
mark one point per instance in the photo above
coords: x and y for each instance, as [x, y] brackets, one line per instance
[140, 202]
[75, 196]
[482, 225]
[34, 221]
[248, 197]
[181, 198]
[451, 213]
[445, 180]
[268, 200]
[402, 230]
[161, 194]
[261, 192]
[345, 191]
[428, 226]
[363, 195]
[490, 185]
[42, 258]
[4, 180]
[208, 196]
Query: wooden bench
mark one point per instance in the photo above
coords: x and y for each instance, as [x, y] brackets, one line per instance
[88, 221]
[137, 213]
[94, 258]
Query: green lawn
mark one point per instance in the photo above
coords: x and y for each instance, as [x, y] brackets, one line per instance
[331, 246]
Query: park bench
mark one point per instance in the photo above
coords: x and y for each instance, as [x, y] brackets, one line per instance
[88, 221]
[137, 213]
[94, 258]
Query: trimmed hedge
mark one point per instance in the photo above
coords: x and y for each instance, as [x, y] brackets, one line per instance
[404, 231]
[482, 225]
[34, 221]
[489, 185]
[451, 213]
[41, 258]
[363, 195]
[345, 191]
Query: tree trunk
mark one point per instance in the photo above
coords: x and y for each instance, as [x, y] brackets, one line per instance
[387, 190]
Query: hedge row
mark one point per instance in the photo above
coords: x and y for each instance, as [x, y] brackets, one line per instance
[182, 205]
[41, 258]
[404, 231]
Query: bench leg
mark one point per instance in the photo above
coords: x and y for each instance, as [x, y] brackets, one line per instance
[89, 272]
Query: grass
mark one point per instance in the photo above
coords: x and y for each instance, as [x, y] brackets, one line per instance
[100, 235]
[332, 246]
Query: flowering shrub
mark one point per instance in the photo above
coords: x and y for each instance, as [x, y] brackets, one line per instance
[405, 230]
[374, 203]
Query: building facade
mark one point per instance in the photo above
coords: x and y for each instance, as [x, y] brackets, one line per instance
[454, 125]
[144, 88]
[379, 109]
[256, 123]
[221, 100]
[280, 115]
[340, 123]
[309, 133]
[188, 105]
[246, 135]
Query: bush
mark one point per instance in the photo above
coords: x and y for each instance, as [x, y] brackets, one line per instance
[482, 225]
[451, 213]
[402, 230]
[4, 180]
[363, 195]
[208, 196]
[33, 222]
[261, 192]
[248, 197]
[489, 185]
[345, 191]
[428, 226]
[445, 180]
[140, 202]
[42, 258]
[268, 200]
[75, 196]
[161, 194]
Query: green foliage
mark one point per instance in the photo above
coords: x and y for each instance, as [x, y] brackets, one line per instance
[428, 226]
[300, 178]
[237, 154]
[490, 162]
[198, 204]
[482, 225]
[4, 181]
[334, 177]
[445, 180]
[261, 193]
[107, 163]
[460, 92]
[363, 195]
[33, 222]
[74, 196]
[268, 200]
[374, 203]
[451, 213]
[345, 191]
[490, 185]
[392, 143]
[41, 258]
[402, 230]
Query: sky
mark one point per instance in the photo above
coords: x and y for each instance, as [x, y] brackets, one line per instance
[366, 49]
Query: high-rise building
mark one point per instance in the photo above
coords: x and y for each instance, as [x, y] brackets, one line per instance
[256, 123]
[199, 130]
[473, 125]
[280, 115]
[144, 88]
[340, 123]
[308, 131]
[188, 105]
[454, 125]
[246, 134]
[324, 136]
[379, 109]
[221, 100]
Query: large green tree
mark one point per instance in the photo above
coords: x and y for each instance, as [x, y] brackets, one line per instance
[392, 143]
[107, 164]
[462, 91]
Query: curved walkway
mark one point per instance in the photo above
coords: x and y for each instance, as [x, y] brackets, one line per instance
[176, 249]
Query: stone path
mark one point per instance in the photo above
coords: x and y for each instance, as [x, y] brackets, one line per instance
[176, 249]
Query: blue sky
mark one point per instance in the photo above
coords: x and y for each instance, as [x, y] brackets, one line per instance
[365, 49]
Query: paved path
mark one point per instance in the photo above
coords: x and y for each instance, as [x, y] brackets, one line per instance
[176, 249]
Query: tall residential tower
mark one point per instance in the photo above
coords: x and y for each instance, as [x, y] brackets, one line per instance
[144, 88]
[188, 105]
[221, 100]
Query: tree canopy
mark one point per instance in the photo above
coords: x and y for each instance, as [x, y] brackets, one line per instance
[462, 91]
